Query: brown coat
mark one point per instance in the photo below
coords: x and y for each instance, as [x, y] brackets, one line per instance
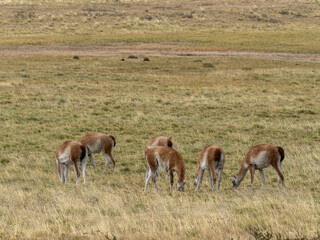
[211, 158]
[260, 157]
[167, 158]
[97, 142]
[70, 152]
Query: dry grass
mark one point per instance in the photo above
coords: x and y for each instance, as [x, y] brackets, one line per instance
[237, 103]
[234, 25]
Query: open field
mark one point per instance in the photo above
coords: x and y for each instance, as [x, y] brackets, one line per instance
[280, 26]
[192, 89]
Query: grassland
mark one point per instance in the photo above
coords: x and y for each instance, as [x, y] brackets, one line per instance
[231, 25]
[47, 98]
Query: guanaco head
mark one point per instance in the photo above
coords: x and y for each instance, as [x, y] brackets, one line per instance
[235, 182]
[180, 186]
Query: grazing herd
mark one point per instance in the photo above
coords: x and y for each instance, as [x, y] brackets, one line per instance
[160, 155]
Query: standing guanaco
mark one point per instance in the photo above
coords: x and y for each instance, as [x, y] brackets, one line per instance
[95, 142]
[211, 158]
[169, 159]
[260, 157]
[71, 152]
[158, 141]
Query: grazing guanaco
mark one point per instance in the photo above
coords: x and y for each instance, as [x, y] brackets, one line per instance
[71, 152]
[95, 142]
[260, 157]
[211, 158]
[158, 141]
[169, 159]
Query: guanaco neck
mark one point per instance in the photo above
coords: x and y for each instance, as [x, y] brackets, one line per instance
[181, 172]
[242, 172]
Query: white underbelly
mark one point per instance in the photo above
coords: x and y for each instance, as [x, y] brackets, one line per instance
[96, 147]
[260, 161]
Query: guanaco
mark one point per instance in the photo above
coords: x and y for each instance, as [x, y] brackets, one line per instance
[169, 159]
[211, 158]
[260, 157]
[71, 152]
[95, 142]
[158, 141]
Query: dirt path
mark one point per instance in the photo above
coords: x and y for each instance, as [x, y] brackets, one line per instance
[151, 50]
